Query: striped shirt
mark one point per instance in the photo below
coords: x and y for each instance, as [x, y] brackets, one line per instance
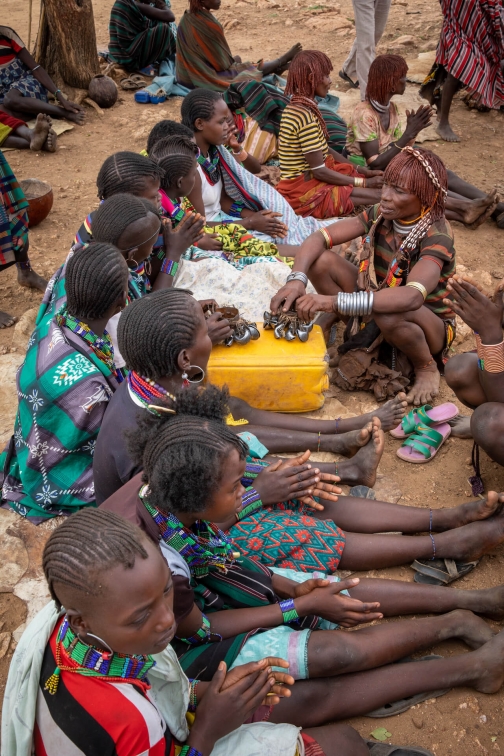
[436, 245]
[10, 46]
[300, 133]
[88, 716]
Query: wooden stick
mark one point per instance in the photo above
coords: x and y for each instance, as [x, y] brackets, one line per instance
[30, 9]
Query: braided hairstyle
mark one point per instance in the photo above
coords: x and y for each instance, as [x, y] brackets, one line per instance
[422, 173]
[183, 454]
[195, 6]
[384, 73]
[118, 212]
[96, 278]
[176, 156]
[126, 172]
[307, 69]
[164, 129]
[86, 545]
[199, 103]
[155, 329]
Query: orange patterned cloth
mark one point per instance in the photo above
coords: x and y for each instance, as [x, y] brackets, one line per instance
[316, 198]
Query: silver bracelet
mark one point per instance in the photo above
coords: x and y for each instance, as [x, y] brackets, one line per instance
[297, 275]
[357, 303]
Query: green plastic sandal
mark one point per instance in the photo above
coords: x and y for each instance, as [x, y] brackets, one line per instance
[424, 444]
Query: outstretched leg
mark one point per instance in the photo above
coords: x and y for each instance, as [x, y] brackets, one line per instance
[487, 426]
[18, 106]
[338, 740]
[445, 131]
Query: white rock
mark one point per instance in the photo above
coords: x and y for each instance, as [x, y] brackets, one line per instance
[14, 562]
[23, 329]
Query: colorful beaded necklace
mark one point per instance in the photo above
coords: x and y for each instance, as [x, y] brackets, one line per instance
[147, 392]
[174, 209]
[90, 662]
[101, 345]
[211, 165]
[206, 548]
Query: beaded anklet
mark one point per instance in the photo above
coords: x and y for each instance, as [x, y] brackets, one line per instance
[289, 611]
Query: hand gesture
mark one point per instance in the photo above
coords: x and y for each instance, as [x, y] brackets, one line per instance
[232, 140]
[327, 602]
[218, 328]
[308, 305]
[281, 679]
[266, 222]
[416, 120]
[188, 231]
[296, 479]
[210, 242]
[376, 182]
[482, 314]
[286, 296]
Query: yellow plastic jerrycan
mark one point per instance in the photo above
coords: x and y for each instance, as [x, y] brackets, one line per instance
[274, 374]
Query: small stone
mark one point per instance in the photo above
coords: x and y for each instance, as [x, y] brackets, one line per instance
[289, 22]
[418, 722]
[483, 718]
[231, 24]
[406, 40]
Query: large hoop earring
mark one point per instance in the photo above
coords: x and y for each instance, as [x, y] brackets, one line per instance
[148, 267]
[132, 259]
[186, 378]
[104, 645]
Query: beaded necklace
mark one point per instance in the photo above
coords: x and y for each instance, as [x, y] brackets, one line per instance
[206, 548]
[211, 165]
[90, 662]
[147, 391]
[101, 345]
[174, 209]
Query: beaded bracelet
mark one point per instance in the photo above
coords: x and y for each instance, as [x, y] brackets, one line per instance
[193, 701]
[240, 156]
[188, 751]
[236, 209]
[251, 503]
[203, 634]
[490, 356]
[289, 611]
[169, 267]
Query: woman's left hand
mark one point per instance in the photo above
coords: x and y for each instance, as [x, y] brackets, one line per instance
[308, 305]
[482, 314]
[72, 107]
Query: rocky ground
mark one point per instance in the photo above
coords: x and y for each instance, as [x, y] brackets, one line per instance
[461, 722]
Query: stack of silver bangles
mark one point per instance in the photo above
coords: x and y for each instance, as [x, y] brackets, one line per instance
[297, 275]
[356, 303]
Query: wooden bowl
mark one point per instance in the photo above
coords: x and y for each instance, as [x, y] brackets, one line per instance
[40, 199]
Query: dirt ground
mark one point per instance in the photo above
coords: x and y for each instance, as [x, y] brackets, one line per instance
[461, 722]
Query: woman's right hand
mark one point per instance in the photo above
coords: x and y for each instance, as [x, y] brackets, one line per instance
[266, 222]
[224, 709]
[327, 602]
[375, 182]
[210, 243]
[294, 479]
[286, 296]
[417, 120]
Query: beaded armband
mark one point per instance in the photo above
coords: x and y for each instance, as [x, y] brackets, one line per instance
[490, 356]
[252, 470]
[251, 502]
[289, 611]
[203, 635]
[236, 209]
[188, 751]
[193, 701]
[169, 267]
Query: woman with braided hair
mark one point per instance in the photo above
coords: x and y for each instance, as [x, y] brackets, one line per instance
[408, 257]
[316, 180]
[63, 389]
[376, 134]
[203, 56]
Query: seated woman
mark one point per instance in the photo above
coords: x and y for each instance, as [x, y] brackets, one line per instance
[141, 34]
[469, 54]
[376, 135]
[477, 378]
[91, 678]
[406, 262]
[63, 388]
[204, 59]
[224, 190]
[15, 134]
[24, 84]
[315, 180]
[236, 610]
[14, 243]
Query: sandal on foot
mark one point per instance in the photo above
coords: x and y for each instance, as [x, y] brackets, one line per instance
[362, 492]
[424, 444]
[426, 416]
[440, 571]
[384, 749]
[346, 77]
[397, 707]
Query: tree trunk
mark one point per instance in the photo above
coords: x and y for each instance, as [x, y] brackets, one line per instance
[66, 42]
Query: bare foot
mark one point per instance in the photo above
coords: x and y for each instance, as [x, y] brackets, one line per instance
[40, 132]
[391, 413]
[446, 132]
[31, 280]
[51, 143]
[361, 469]
[489, 602]
[426, 385]
[6, 320]
[350, 442]
[470, 542]
[478, 207]
[488, 664]
[489, 210]
[467, 627]
[461, 426]
[287, 57]
[472, 511]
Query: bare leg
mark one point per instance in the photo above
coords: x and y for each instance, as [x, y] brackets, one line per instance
[471, 212]
[314, 702]
[280, 64]
[462, 376]
[278, 440]
[419, 334]
[338, 740]
[487, 425]
[16, 105]
[443, 128]
[330, 274]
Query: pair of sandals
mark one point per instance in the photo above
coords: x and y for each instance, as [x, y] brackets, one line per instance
[132, 82]
[425, 430]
